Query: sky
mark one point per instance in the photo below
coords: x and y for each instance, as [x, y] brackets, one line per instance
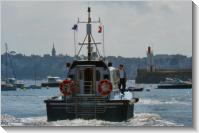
[129, 27]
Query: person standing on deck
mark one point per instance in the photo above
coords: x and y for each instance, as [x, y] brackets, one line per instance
[123, 78]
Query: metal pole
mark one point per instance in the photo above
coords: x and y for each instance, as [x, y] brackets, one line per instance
[95, 45]
[6, 61]
[75, 43]
[35, 74]
[89, 37]
[103, 41]
[81, 46]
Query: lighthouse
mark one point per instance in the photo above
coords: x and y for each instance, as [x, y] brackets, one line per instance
[150, 62]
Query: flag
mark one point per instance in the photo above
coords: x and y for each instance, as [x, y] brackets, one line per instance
[100, 29]
[75, 27]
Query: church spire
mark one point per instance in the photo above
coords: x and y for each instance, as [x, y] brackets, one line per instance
[53, 51]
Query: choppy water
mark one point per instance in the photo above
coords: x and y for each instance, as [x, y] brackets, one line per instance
[157, 107]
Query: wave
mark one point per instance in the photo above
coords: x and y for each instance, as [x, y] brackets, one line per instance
[140, 119]
[157, 102]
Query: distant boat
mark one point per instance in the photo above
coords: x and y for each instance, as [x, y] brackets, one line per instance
[15, 82]
[10, 83]
[7, 87]
[52, 82]
[135, 89]
[174, 83]
[33, 87]
[148, 89]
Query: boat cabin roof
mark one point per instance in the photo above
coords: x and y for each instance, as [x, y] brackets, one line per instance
[99, 63]
[50, 77]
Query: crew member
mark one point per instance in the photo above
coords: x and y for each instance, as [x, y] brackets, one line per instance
[123, 78]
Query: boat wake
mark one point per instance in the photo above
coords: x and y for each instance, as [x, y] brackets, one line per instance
[141, 119]
[158, 102]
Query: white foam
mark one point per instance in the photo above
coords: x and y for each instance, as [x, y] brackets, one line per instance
[157, 102]
[141, 119]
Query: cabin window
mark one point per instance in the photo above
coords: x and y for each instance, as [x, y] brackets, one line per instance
[97, 75]
[71, 76]
[80, 75]
[116, 75]
[106, 76]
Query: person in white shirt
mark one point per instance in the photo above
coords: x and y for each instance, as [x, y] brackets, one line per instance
[123, 79]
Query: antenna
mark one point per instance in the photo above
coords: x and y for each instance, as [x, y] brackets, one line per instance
[89, 33]
[88, 3]
[103, 41]
[75, 42]
[89, 37]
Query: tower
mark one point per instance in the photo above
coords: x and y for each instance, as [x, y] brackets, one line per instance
[150, 62]
[53, 51]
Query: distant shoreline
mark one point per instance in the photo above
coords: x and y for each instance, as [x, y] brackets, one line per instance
[29, 67]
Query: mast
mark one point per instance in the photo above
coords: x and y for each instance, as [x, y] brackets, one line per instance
[8, 57]
[89, 36]
[6, 46]
[35, 74]
[89, 33]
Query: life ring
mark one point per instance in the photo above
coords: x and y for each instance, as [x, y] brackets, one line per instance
[105, 87]
[67, 87]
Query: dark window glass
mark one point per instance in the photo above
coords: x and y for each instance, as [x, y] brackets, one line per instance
[71, 76]
[97, 75]
[106, 76]
[80, 75]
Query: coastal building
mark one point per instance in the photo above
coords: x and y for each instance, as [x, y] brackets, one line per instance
[150, 62]
[153, 75]
[53, 51]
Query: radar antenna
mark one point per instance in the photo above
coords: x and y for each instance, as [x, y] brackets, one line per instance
[89, 36]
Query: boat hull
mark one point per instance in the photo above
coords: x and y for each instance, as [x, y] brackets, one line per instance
[19, 85]
[8, 88]
[175, 86]
[116, 110]
[50, 84]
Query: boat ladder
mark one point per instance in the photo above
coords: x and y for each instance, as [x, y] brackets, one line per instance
[87, 106]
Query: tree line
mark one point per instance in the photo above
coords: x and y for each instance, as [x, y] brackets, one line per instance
[29, 67]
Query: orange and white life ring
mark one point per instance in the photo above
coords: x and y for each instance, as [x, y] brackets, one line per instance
[105, 87]
[67, 87]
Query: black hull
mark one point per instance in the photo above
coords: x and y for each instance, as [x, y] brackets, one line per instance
[50, 84]
[8, 88]
[19, 85]
[134, 89]
[119, 110]
[177, 86]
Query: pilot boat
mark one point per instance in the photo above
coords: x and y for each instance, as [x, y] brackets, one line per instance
[90, 90]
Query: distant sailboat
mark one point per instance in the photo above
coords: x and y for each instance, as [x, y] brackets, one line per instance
[10, 83]
[5, 85]
[35, 86]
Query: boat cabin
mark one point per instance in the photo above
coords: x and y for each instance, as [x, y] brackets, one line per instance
[88, 74]
[53, 79]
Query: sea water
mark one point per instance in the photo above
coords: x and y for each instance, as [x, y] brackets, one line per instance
[156, 107]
